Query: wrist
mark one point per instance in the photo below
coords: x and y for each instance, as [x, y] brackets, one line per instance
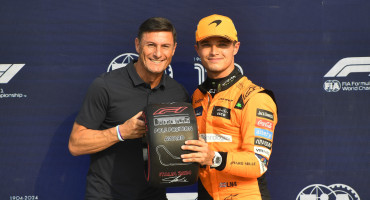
[217, 160]
[119, 136]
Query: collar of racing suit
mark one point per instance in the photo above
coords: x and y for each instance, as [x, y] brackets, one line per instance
[222, 83]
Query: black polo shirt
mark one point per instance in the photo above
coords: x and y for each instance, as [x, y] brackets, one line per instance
[114, 97]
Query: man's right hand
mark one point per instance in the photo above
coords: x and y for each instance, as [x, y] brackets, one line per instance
[88, 141]
[133, 128]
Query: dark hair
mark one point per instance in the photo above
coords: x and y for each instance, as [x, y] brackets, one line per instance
[156, 24]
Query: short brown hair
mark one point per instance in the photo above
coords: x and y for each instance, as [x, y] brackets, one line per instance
[156, 24]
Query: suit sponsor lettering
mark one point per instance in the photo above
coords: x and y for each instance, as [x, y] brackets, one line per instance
[212, 137]
[242, 163]
[263, 133]
[228, 81]
[198, 100]
[219, 111]
[263, 142]
[265, 114]
[264, 124]
[228, 184]
[262, 151]
[227, 100]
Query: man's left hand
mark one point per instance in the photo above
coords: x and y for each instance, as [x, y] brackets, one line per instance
[202, 155]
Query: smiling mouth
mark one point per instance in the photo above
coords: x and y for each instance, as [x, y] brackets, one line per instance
[156, 61]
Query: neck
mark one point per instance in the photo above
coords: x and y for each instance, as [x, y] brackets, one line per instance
[222, 74]
[153, 79]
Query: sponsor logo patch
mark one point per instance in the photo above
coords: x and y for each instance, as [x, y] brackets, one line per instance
[212, 137]
[228, 184]
[264, 124]
[263, 142]
[263, 163]
[262, 151]
[219, 111]
[263, 160]
[263, 133]
[265, 114]
[198, 111]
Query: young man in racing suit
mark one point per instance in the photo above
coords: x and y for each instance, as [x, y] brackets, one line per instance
[236, 120]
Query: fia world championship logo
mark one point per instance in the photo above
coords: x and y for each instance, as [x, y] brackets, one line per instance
[331, 192]
[340, 79]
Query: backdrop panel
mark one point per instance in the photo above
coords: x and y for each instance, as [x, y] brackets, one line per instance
[314, 55]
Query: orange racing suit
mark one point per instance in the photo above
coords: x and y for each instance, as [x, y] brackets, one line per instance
[238, 122]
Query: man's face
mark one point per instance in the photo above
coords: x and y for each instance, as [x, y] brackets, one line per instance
[155, 51]
[217, 55]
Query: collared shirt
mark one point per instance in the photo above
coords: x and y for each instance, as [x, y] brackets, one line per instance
[114, 97]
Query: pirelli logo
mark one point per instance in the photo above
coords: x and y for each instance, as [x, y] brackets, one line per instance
[265, 114]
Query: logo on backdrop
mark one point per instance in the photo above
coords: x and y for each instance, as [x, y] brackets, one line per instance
[124, 59]
[341, 79]
[331, 192]
[202, 71]
[8, 71]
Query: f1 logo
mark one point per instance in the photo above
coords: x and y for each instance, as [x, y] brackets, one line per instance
[176, 110]
[346, 66]
[8, 71]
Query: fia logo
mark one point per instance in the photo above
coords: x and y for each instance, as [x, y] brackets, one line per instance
[124, 59]
[331, 192]
[332, 86]
[346, 83]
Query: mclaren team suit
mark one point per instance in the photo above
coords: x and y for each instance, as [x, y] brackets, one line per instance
[238, 121]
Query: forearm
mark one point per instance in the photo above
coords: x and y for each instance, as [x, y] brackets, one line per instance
[244, 164]
[87, 141]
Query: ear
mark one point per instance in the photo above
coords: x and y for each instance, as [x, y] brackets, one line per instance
[174, 48]
[236, 48]
[196, 47]
[137, 45]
